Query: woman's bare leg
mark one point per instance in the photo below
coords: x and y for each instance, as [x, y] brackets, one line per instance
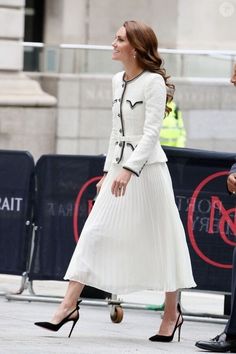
[170, 314]
[69, 302]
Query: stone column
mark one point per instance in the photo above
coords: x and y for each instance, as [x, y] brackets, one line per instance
[27, 114]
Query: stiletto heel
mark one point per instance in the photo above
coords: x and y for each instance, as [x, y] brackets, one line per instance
[179, 330]
[55, 327]
[73, 325]
[161, 338]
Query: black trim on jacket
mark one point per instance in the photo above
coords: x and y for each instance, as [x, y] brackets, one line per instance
[129, 169]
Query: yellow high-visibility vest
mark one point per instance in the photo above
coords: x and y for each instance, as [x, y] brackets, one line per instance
[173, 132]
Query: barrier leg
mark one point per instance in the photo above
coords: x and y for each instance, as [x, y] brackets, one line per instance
[25, 283]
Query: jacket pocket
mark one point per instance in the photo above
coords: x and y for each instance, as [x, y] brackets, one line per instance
[131, 146]
[134, 104]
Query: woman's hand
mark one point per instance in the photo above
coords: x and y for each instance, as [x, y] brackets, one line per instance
[119, 185]
[231, 183]
[99, 184]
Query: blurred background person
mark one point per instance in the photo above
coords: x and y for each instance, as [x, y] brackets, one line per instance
[173, 132]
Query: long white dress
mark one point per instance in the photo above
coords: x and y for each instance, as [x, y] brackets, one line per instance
[137, 241]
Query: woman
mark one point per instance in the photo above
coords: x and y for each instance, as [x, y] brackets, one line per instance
[133, 239]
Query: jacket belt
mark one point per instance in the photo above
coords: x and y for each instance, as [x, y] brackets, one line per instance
[128, 138]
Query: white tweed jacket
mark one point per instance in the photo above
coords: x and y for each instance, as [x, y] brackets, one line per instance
[137, 114]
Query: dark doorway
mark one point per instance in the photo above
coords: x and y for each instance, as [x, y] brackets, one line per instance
[34, 20]
[34, 28]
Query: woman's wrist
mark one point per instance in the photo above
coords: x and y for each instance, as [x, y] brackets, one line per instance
[127, 169]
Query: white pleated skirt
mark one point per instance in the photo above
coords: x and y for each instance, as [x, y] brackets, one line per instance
[134, 242]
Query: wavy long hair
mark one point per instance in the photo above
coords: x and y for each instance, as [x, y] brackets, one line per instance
[143, 39]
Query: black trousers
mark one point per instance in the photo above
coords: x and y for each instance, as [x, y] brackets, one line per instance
[231, 324]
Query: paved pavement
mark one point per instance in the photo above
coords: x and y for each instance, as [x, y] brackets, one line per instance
[95, 333]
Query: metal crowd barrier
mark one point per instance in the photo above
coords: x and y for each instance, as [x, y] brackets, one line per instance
[39, 227]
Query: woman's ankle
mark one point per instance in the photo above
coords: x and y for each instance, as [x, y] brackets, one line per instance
[170, 316]
[67, 305]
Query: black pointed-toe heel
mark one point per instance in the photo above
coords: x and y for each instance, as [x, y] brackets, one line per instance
[55, 327]
[161, 338]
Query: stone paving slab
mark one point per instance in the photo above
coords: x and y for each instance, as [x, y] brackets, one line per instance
[95, 333]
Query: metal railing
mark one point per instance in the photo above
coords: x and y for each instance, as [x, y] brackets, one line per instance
[85, 58]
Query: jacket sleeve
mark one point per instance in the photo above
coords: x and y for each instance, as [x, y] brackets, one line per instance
[155, 102]
[112, 140]
[233, 169]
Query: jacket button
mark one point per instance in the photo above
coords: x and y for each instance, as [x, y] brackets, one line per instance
[120, 130]
[123, 85]
[117, 159]
[118, 114]
[120, 144]
[119, 99]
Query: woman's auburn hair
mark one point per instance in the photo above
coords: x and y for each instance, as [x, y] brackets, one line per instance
[143, 39]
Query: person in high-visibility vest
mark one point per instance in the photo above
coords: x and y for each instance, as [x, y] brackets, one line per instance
[173, 132]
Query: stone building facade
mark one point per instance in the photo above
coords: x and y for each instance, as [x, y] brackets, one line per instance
[70, 113]
[27, 113]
